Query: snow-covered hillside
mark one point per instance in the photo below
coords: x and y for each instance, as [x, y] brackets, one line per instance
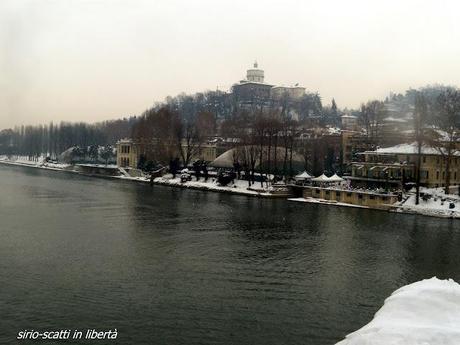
[423, 313]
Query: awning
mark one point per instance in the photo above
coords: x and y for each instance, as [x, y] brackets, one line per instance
[303, 176]
[335, 178]
[322, 178]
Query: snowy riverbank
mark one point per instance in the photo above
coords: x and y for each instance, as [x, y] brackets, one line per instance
[238, 187]
[425, 312]
[38, 163]
[436, 204]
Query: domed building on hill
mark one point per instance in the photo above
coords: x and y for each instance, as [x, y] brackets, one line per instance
[255, 91]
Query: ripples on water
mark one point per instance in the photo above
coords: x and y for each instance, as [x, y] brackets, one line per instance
[173, 266]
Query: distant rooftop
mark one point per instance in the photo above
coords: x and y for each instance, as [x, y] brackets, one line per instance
[408, 149]
[125, 141]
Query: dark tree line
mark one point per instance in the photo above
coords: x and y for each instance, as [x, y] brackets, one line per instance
[173, 132]
[53, 139]
[225, 105]
[184, 119]
[436, 123]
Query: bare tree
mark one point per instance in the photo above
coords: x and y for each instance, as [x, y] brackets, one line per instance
[420, 115]
[371, 117]
[448, 121]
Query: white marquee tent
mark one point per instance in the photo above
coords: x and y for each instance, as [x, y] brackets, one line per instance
[303, 176]
[322, 178]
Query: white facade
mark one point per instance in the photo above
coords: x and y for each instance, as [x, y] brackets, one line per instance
[255, 74]
[349, 122]
[292, 92]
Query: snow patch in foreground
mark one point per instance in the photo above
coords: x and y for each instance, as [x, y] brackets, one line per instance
[423, 313]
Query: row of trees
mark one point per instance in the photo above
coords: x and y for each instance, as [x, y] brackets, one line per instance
[435, 115]
[444, 113]
[53, 139]
[224, 105]
[166, 133]
[190, 118]
[264, 142]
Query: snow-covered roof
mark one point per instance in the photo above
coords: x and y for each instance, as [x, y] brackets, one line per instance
[287, 87]
[225, 160]
[348, 116]
[394, 119]
[333, 130]
[125, 141]
[246, 82]
[408, 149]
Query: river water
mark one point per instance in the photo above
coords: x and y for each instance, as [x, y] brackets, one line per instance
[171, 266]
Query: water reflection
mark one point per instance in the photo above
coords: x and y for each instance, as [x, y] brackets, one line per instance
[167, 265]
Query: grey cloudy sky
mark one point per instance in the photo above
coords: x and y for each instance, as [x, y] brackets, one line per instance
[82, 60]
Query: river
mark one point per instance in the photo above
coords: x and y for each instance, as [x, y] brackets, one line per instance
[164, 265]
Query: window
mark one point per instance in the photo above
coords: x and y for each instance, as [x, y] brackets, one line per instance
[337, 194]
[317, 191]
[424, 159]
[348, 194]
[437, 175]
[360, 196]
[372, 197]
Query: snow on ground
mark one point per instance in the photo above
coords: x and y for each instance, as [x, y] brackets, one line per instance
[240, 186]
[326, 202]
[23, 160]
[97, 165]
[38, 163]
[423, 313]
[437, 205]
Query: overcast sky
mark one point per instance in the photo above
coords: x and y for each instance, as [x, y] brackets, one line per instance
[93, 60]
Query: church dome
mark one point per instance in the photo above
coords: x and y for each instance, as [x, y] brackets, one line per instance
[255, 74]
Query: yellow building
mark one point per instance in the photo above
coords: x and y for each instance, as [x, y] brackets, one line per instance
[128, 153]
[353, 142]
[354, 197]
[396, 166]
[206, 152]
